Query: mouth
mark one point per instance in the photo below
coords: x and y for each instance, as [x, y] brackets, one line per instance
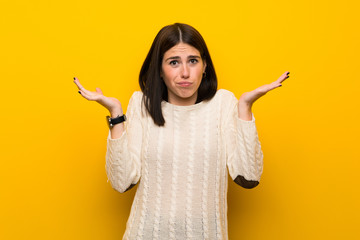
[184, 84]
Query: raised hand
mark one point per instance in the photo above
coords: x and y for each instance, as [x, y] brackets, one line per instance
[110, 103]
[248, 98]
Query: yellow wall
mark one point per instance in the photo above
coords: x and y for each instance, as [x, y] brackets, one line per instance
[52, 176]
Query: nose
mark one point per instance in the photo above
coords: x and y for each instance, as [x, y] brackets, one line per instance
[185, 73]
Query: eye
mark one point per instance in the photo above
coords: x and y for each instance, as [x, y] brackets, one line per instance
[194, 60]
[173, 63]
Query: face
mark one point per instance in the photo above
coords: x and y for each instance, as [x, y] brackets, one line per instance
[182, 70]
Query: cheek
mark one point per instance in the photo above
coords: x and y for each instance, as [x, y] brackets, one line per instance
[166, 76]
[198, 72]
[169, 73]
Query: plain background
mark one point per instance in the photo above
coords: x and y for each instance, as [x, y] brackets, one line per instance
[53, 183]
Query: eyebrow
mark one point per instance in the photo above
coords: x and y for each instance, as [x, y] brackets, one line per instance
[177, 57]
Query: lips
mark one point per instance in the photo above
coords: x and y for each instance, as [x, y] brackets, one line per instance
[184, 84]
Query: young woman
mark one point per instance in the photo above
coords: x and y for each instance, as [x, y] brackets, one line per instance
[180, 136]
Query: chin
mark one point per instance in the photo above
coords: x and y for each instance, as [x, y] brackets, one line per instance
[186, 94]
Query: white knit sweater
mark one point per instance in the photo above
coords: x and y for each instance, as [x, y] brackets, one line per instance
[182, 167]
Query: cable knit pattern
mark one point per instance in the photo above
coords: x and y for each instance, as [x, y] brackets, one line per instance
[158, 185]
[174, 178]
[218, 179]
[190, 172]
[182, 167]
[145, 190]
[204, 202]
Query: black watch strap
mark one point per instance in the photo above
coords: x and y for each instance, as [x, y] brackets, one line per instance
[113, 121]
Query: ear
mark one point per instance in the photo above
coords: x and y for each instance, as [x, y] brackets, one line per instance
[204, 66]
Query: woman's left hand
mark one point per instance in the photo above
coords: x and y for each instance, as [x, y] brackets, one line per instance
[247, 99]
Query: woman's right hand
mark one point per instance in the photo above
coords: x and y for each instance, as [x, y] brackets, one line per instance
[110, 103]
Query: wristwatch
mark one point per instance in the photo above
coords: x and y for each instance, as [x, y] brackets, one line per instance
[113, 121]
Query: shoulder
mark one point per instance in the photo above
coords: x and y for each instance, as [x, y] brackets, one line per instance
[135, 102]
[225, 96]
[136, 98]
[227, 103]
[136, 95]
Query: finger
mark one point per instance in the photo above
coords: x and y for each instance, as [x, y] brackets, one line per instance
[82, 93]
[80, 87]
[78, 84]
[85, 95]
[275, 85]
[283, 77]
[99, 91]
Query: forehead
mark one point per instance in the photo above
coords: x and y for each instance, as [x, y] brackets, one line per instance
[181, 49]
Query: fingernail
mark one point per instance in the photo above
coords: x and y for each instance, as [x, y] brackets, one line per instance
[74, 78]
[280, 86]
[79, 92]
[288, 73]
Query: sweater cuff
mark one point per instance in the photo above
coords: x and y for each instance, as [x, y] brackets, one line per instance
[246, 125]
[247, 121]
[115, 139]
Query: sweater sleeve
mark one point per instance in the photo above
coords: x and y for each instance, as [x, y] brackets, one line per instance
[123, 163]
[244, 154]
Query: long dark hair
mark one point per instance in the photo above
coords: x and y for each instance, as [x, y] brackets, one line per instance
[153, 87]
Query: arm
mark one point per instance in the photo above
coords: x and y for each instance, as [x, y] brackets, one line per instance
[245, 157]
[244, 154]
[124, 145]
[123, 163]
